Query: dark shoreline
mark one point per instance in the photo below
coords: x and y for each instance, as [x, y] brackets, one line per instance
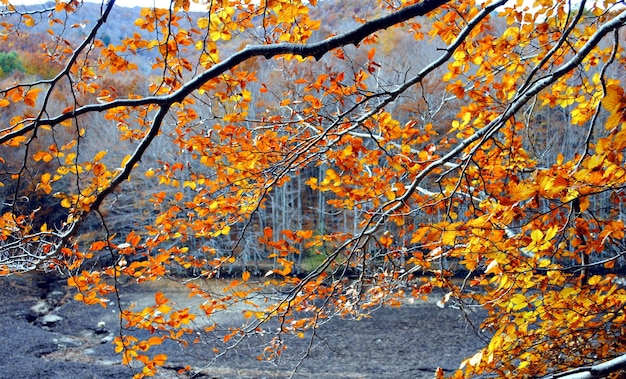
[407, 342]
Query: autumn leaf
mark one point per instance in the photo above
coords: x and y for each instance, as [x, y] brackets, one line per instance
[615, 102]
[386, 240]
[28, 20]
[98, 157]
[98, 245]
[355, 162]
[305, 234]
[31, 97]
[448, 237]
[42, 156]
[160, 359]
[98, 169]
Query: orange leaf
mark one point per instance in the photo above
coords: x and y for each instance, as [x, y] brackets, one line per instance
[133, 238]
[371, 53]
[98, 169]
[42, 156]
[98, 245]
[305, 234]
[160, 359]
[160, 298]
[31, 97]
[155, 340]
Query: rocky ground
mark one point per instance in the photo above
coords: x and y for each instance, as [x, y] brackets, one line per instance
[45, 334]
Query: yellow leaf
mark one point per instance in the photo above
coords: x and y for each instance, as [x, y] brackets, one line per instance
[536, 235]
[118, 347]
[203, 22]
[542, 263]
[448, 237]
[164, 308]
[28, 20]
[550, 233]
[65, 203]
[568, 291]
[125, 160]
[594, 280]
[523, 364]
[595, 161]
[614, 98]
[615, 102]
[226, 229]
[517, 302]
[213, 206]
[419, 235]
[99, 156]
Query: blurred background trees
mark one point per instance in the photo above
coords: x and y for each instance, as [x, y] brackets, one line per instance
[474, 148]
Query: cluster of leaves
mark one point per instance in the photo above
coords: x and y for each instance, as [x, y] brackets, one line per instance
[429, 170]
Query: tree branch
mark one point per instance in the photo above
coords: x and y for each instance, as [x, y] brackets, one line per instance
[600, 370]
[315, 50]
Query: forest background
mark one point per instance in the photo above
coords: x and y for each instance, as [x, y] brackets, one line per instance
[403, 147]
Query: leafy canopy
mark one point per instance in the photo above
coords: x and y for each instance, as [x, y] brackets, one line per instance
[473, 147]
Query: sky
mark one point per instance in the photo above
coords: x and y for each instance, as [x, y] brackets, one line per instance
[123, 3]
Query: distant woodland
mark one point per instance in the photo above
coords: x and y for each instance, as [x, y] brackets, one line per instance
[324, 159]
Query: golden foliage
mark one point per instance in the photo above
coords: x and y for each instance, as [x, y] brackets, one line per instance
[397, 176]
